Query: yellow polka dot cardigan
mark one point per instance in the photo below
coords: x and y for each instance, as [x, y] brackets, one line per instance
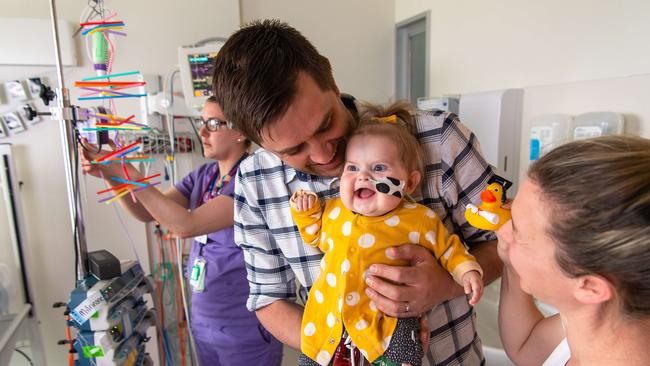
[351, 243]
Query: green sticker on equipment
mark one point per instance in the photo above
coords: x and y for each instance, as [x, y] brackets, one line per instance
[96, 315]
[92, 351]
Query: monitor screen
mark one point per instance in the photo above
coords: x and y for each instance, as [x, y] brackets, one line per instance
[201, 65]
[196, 64]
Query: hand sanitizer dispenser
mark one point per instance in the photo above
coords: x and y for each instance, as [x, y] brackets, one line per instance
[594, 124]
[547, 131]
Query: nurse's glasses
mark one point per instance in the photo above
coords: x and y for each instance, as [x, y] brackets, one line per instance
[213, 124]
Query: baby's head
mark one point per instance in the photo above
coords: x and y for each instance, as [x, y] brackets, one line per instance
[384, 145]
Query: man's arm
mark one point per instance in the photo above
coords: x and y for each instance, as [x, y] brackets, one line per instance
[424, 284]
[283, 319]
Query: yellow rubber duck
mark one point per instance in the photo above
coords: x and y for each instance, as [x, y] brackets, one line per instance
[490, 215]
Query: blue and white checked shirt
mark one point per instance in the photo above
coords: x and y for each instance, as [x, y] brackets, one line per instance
[455, 174]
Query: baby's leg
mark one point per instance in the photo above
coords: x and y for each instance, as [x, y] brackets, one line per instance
[303, 360]
[405, 346]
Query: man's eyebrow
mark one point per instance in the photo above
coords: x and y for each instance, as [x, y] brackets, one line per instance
[324, 125]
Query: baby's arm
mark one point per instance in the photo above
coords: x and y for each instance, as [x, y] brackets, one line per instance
[307, 213]
[454, 257]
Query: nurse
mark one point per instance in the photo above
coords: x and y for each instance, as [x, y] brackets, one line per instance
[201, 206]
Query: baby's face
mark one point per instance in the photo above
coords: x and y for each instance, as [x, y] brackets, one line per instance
[370, 157]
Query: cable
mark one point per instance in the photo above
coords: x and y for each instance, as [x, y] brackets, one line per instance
[24, 355]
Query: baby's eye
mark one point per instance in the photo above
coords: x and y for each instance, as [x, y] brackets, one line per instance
[351, 168]
[379, 168]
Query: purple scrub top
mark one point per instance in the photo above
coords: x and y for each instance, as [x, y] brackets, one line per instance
[223, 302]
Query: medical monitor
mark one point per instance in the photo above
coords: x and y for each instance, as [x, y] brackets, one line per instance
[196, 66]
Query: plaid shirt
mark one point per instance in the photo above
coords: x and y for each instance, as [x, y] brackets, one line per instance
[455, 173]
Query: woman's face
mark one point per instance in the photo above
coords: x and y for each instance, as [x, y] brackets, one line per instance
[525, 244]
[220, 144]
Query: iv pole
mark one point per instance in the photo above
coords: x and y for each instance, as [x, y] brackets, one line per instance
[65, 115]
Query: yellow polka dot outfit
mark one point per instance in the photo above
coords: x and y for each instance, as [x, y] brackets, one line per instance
[351, 243]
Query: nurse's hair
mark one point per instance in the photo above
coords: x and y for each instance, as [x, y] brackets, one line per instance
[598, 191]
[212, 100]
[396, 123]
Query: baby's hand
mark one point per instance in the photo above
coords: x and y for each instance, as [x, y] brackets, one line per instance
[303, 200]
[473, 283]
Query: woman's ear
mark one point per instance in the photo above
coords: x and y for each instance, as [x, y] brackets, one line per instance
[414, 179]
[593, 289]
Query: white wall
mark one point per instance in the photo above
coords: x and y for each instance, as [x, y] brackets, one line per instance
[569, 56]
[155, 29]
[358, 37]
[487, 45]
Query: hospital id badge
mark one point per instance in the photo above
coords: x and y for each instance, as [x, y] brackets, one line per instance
[197, 275]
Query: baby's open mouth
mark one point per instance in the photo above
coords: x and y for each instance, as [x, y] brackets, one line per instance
[364, 193]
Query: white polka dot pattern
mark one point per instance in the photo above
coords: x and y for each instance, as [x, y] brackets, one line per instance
[392, 221]
[334, 213]
[345, 266]
[431, 237]
[352, 298]
[319, 297]
[347, 228]
[323, 358]
[331, 279]
[366, 240]
[330, 320]
[310, 329]
[414, 237]
[311, 229]
[361, 324]
[385, 342]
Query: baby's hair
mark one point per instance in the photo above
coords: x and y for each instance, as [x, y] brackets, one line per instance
[396, 123]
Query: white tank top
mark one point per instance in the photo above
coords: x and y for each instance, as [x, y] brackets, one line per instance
[560, 355]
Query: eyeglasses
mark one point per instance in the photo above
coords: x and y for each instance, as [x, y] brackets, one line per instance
[213, 124]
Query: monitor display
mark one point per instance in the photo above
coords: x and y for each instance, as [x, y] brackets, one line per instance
[196, 65]
[201, 65]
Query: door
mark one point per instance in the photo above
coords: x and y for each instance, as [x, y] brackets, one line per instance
[412, 58]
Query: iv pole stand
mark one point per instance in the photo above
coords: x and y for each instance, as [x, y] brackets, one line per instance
[66, 118]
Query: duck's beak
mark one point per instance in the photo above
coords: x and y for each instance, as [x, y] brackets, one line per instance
[487, 196]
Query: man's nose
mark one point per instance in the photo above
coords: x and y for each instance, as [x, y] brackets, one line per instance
[321, 153]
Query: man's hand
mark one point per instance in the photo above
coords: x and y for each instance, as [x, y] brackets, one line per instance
[410, 291]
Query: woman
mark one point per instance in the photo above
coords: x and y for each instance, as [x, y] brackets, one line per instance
[225, 332]
[579, 240]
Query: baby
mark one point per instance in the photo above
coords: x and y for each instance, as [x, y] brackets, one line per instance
[375, 212]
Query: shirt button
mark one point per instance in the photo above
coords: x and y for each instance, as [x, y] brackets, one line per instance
[349, 297]
[353, 249]
[351, 274]
[331, 340]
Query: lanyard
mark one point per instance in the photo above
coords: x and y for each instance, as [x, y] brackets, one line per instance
[214, 189]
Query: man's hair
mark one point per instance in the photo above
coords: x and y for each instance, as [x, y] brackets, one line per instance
[396, 123]
[598, 192]
[256, 70]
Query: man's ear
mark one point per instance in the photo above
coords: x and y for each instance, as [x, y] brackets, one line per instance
[414, 179]
[593, 289]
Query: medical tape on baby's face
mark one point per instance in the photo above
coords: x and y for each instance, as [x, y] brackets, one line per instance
[389, 185]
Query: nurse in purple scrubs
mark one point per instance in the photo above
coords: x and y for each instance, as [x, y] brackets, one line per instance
[201, 206]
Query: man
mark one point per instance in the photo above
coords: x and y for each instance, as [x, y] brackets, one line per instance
[279, 91]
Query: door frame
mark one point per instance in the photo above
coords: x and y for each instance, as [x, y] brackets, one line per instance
[402, 72]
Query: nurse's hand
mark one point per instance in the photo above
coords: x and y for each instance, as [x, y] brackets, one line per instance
[89, 152]
[413, 290]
